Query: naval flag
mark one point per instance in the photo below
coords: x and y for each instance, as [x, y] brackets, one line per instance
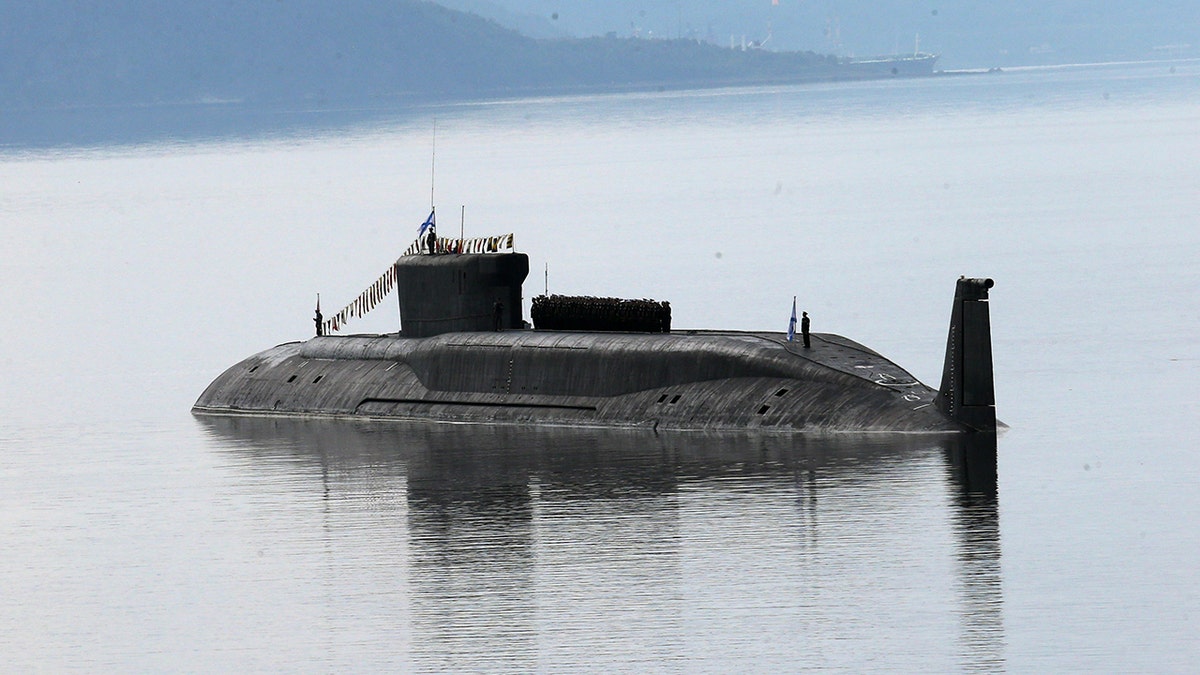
[426, 225]
[792, 323]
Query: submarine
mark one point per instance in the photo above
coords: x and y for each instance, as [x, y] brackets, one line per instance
[464, 353]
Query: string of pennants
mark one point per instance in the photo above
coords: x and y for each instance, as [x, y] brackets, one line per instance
[369, 298]
[364, 303]
[474, 245]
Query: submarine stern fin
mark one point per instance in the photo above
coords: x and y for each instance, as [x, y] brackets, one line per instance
[967, 394]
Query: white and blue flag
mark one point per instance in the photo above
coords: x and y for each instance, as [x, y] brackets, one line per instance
[429, 223]
[792, 323]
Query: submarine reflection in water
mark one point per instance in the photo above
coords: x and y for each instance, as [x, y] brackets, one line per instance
[511, 538]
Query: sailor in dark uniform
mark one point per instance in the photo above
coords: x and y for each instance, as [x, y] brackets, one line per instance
[804, 329]
[431, 241]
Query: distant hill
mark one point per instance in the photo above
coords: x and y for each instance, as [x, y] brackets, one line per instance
[70, 53]
[967, 33]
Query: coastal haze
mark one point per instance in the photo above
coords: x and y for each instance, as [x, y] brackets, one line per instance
[135, 270]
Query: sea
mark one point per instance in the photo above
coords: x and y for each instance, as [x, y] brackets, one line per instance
[136, 268]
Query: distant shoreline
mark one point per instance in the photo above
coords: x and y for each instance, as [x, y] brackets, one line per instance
[83, 126]
[91, 126]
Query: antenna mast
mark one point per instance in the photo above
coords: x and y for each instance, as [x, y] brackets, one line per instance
[433, 164]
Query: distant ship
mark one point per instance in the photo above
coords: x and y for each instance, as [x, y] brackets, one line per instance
[465, 354]
[875, 67]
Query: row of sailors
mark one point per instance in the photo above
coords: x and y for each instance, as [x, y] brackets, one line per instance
[570, 312]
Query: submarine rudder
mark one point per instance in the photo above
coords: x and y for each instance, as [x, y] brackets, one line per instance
[967, 394]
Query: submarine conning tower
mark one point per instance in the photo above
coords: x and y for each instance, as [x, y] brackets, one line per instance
[460, 292]
[968, 394]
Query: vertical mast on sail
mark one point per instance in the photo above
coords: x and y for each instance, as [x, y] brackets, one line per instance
[433, 164]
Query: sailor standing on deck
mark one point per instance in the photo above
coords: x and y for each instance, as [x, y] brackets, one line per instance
[804, 330]
[428, 232]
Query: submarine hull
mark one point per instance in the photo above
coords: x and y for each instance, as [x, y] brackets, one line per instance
[687, 380]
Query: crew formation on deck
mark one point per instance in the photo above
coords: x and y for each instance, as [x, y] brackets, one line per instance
[568, 312]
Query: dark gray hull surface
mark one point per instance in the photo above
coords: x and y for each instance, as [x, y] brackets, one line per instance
[682, 380]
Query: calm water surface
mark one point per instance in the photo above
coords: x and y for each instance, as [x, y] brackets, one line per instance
[140, 538]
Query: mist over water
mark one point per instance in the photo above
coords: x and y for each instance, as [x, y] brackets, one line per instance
[142, 538]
